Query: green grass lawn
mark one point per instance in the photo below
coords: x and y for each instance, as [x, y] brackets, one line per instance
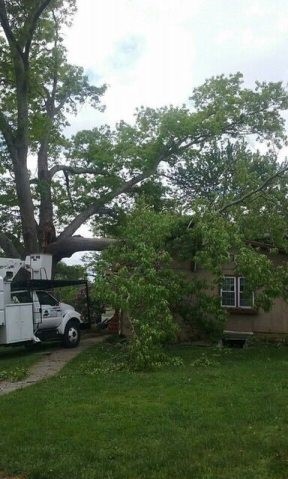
[224, 414]
[16, 361]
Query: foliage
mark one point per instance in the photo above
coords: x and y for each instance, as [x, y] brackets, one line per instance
[13, 375]
[204, 361]
[141, 275]
[39, 90]
[219, 193]
[203, 152]
[209, 169]
[199, 157]
[136, 277]
[69, 294]
[222, 241]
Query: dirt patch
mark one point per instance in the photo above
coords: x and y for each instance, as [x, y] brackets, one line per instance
[48, 366]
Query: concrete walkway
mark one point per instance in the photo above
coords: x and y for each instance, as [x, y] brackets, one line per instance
[49, 365]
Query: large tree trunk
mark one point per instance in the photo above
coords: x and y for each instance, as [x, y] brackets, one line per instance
[29, 226]
[46, 230]
[21, 140]
[17, 137]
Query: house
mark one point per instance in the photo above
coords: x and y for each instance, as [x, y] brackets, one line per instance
[244, 316]
[237, 300]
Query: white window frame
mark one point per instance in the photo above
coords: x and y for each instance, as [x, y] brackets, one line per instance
[235, 293]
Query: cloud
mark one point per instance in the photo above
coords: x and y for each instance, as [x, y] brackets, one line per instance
[126, 53]
[154, 52]
[143, 49]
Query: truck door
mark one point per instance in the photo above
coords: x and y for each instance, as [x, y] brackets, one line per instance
[37, 312]
[51, 314]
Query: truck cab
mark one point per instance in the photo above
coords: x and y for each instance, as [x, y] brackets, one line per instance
[51, 318]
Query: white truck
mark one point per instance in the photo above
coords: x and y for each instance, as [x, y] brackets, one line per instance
[28, 313]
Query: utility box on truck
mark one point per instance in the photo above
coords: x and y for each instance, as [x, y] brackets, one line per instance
[28, 312]
[18, 324]
[2, 303]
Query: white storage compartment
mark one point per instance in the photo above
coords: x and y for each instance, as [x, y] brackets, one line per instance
[2, 317]
[18, 324]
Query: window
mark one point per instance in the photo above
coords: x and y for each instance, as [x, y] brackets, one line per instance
[245, 296]
[46, 299]
[228, 292]
[21, 297]
[235, 293]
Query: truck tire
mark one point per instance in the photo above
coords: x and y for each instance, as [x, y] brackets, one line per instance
[71, 337]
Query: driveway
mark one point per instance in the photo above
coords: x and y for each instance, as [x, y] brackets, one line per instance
[51, 363]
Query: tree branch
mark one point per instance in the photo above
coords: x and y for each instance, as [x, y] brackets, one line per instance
[64, 248]
[253, 192]
[56, 69]
[8, 31]
[74, 170]
[68, 189]
[31, 24]
[8, 247]
[98, 205]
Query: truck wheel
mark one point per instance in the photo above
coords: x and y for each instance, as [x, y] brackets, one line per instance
[71, 336]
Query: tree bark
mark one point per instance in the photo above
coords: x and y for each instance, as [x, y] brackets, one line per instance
[29, 226]
[46, 230]
[8, 247]
[64, 248]
[17, 143]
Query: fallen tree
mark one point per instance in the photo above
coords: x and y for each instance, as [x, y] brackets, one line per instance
[92, 175]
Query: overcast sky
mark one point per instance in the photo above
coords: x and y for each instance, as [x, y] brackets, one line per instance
[154, 52]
